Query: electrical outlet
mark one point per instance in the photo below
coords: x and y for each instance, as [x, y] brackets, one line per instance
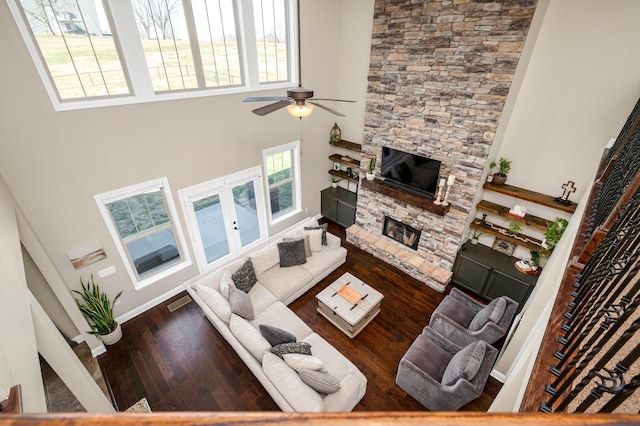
[107, 271]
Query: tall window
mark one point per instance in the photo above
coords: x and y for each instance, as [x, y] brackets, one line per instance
[186, 47]
[141, 220]
[282, 167]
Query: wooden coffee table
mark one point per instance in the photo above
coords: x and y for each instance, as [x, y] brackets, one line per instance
[349, 317]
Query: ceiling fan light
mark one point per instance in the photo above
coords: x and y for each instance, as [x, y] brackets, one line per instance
[300, 111]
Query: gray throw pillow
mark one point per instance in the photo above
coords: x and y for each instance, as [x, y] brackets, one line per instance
[493, 312]
[292, 348]
[240, 303]
[307, 246]
[276, 336]
[292, 253]
[324, 227]
[245, 277]
[320, 381]
[465, 364]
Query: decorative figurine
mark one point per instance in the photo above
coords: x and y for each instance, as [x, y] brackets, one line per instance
[335, 135]
[568, 190]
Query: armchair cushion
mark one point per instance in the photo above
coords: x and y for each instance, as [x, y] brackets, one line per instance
[465, 364]
[493, 312]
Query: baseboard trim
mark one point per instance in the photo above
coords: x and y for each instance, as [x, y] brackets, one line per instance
[498, 376]
[150, 304]
[98, 351]
[78, 339]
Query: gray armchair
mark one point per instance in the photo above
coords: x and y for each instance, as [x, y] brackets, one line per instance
[441, 375]
[463, 320]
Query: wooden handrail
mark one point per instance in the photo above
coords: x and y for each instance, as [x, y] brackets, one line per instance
[13, 405]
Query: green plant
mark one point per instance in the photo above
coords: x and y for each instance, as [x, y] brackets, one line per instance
[554, 232]
[372, 165]
[515, 228]
[475, 234]
[334, 179]
[492, 166]
[97, 308]
[504, 166]
[535, 258]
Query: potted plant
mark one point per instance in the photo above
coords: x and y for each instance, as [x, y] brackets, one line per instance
[334, 181]
[504, 166]
[492, 166]
[535, 258]
[514, 228]
[475, 236]
[372, 167]
[554, 232]
[98, 310]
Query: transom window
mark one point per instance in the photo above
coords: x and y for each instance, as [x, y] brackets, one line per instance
[106, 52]
[282, 167]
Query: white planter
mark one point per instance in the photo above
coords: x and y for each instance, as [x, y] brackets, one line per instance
[334, 184]
[113, 337]
[474, 241]
[370, 176]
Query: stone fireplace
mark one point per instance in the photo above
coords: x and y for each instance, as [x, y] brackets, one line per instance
[401, 232]
[439, 76]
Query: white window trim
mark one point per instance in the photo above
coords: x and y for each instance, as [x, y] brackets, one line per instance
[297, 187]
[163, 184]
[140, 85]
[188, 195]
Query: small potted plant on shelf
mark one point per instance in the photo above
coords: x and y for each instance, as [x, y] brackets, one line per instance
[514, 228]
[504, 166]
[535, 258]
[334, 181]
[475, 236]
[492, 166]
[372, 168]
[554, 232]
[98, 310]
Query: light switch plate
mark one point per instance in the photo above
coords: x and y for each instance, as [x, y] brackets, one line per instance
[107, 271]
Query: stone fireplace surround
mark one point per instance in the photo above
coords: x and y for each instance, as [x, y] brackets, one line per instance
[439, 75]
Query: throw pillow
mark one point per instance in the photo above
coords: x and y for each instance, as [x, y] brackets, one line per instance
[225, 284]
[292, 348]
[320, 381]
[218, 304]
[245, 277]
[240, 303]
[307, 247]
[249, 337]
[303, 362]
[315, 238]
[275, 335]
[265, 259]
[292, 253]
[322, 227]
[465, 364]
[491, 313]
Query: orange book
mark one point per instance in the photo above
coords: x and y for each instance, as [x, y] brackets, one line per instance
[350, 294]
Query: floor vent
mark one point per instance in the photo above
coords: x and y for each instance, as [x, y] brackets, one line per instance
[178, 303]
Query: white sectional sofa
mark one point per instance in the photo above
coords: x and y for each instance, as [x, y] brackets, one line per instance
[276, 287]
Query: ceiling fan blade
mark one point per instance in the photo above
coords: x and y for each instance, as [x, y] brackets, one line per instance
[265, 99]
[271, 107]
[335, 100]
[332, 111]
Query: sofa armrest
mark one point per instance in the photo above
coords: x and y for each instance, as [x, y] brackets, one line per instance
[466, 300]
[333, 241]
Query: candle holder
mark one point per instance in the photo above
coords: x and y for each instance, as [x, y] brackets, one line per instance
[446, 195]
[437, 201]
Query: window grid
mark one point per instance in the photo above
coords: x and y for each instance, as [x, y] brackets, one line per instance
[283, 173]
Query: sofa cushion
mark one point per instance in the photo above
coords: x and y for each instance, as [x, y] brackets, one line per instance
[320, 381]
[278, 315]
[323, 228]
[218, 304]
[285, 282]
[261, 298]
[226, 283]
[292, 348]
[315, 238]
[303, 362]
[240, 303]
[305, 238]
[428, 356]
[299, 395]
[333, 360]
[249, 337]
[275, 335]
[321, 259]
[491, 313]
[245, 277]
[465, 364]
[292, 253]
[265, 259]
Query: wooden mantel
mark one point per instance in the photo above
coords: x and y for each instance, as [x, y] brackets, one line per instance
[378, 185]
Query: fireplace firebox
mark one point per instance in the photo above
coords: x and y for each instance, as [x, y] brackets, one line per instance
[401, 232]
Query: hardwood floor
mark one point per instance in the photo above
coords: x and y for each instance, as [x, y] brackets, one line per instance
[179, 362]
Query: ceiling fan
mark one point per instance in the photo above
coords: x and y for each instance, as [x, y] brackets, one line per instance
[299, 100]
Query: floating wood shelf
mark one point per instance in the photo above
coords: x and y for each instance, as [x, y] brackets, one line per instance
[351, 146]
[502, 211]
[534, 197]
[503, 233]
[347, 161]
[378, 185]
[342, 175]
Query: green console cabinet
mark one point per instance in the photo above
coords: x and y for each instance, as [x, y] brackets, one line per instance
[338, 205]
[489, 274]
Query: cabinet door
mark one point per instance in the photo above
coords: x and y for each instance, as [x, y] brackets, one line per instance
[328, 206]
[346, 215]
[470, 274]
[501, 284]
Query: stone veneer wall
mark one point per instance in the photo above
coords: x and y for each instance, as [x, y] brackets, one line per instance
[439, 76]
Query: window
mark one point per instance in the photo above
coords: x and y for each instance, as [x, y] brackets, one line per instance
[141, 220]
[180, 47]
[225, 217]
[282, 167]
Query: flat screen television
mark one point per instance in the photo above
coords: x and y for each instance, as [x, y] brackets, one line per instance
[412, 172]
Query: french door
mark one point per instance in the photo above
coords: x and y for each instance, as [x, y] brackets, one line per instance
[225, 217]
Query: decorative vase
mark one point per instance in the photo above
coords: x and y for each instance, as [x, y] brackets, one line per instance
[113, 337]
[371, 176]
[499, 179]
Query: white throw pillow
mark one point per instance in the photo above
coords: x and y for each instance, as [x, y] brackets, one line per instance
[299, 395]
[218, 304]
[249, 337]
[225, 284]
[303, 362]
[315, 238]
[265, 259]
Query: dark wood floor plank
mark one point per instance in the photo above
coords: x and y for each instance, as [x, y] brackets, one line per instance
[179, 362]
